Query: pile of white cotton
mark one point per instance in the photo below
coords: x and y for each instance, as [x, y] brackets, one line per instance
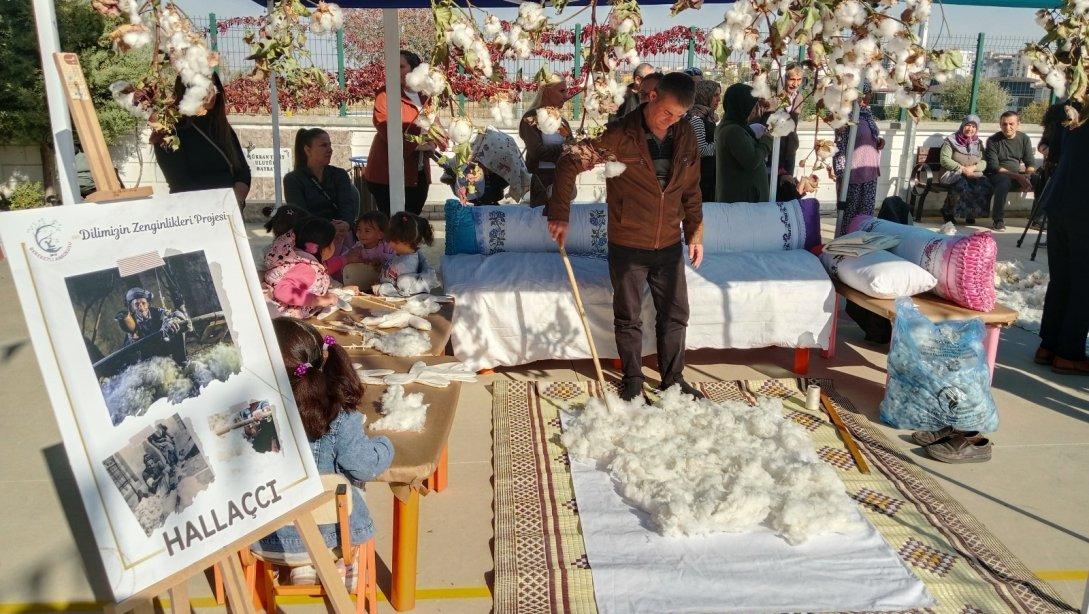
[1022, 291]
[698, 467]
[403, 342]
[401, 412]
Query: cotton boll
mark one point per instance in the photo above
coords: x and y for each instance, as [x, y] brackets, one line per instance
[850, 14]
[461, 35]
[889, 28]
[718, 33]
[780, 124]
[760, 87]
[460, 131]
[492, 26]
[401, 412]
[1056, 80]
[614, 168]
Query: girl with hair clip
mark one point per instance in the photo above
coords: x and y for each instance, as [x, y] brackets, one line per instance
[281, 223]
[297, 285]
[405, 234]
[327, 393]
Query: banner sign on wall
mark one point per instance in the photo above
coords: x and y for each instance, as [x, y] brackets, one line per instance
[261, 159]
[165, 377]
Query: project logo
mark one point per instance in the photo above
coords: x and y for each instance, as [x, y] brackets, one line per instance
[48, 240]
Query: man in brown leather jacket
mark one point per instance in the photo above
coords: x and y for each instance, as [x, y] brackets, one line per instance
[657, 194]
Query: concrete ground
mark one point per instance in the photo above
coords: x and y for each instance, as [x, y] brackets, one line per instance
[1032, 495]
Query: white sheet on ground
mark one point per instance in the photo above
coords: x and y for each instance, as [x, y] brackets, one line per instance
[514, 308]
[637, 570]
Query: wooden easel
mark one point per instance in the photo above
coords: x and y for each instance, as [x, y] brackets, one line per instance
[85, 120]
[239, 598]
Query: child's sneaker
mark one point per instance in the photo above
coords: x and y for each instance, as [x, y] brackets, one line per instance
[306, 574]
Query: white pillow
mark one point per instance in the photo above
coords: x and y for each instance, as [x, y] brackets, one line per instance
[879, 274]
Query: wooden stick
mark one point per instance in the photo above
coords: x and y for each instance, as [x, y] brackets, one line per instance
[381, 302]
[585, 323]
[844, 434]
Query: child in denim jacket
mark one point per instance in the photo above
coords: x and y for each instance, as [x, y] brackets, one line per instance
[327, 392]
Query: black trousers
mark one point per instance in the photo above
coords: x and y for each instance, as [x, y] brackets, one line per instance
[1065, 322]
[631, 270]
[415, 196]
[1002, 184]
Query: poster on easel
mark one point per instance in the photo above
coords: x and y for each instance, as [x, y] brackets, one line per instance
[165, 377]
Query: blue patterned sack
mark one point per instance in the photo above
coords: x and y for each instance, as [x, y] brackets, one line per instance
[938, 374]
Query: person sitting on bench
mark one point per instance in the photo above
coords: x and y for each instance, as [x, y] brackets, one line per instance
[962, 171]
[1010, 159]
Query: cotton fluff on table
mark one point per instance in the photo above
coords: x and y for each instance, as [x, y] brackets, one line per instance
[636, 569]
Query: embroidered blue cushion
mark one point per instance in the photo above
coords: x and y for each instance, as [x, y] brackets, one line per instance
[460, 229]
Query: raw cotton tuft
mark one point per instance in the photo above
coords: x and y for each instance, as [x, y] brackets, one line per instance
[697, 467]
[402, 412]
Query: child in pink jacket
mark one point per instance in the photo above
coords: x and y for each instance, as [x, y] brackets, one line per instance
[297, 278]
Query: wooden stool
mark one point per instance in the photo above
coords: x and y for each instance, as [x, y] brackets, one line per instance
[262, 570]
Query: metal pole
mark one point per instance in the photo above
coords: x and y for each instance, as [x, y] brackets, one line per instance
[394, 129]
[461, 96]
[274, 107]
[802, 52]
[976, 74]
[907, 153]
[692, 47]
[341, 78]
[576, 106]
[849, 160]
[213, 36]
[773, 170]
[45, 21]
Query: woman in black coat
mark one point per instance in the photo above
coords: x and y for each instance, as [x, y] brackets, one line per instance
[1065, 322]
[209, 155]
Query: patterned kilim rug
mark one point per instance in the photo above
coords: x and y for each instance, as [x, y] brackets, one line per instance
[540, 558]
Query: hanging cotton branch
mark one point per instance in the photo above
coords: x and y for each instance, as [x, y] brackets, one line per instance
[848, 42]
[1061, 57]
[179, 50]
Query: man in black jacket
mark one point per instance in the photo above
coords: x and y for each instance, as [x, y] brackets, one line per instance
[632, 98]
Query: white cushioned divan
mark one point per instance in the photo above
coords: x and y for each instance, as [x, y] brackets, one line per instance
[514, 308]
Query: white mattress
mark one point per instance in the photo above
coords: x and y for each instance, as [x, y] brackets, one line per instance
[514, 308]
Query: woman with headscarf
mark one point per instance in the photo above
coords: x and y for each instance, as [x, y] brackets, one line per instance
[496, 167]
[542, 150]
[742, 148]
[208, 155]
[703, 119]
[865, 164]
[417, 160]
[962, 164]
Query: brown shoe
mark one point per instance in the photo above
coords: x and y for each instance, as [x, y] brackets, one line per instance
[961, 450]
[1043, 356]
[1070, 367]
[929, 438]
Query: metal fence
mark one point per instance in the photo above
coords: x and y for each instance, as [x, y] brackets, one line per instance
[993, 59]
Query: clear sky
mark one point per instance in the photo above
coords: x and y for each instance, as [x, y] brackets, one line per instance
[959, 20]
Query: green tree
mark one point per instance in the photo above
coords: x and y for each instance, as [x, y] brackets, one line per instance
[24, 116]
[1033, 113]
[955, 97]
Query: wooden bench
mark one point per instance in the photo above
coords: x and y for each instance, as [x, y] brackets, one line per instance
[924, 178]
[934, 307]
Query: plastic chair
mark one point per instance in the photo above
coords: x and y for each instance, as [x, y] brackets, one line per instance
[267, 585]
